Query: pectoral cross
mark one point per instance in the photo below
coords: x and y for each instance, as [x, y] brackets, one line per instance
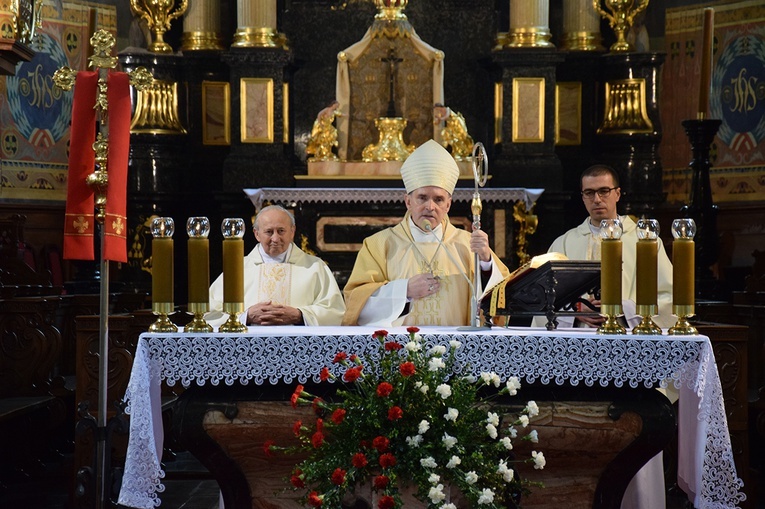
[392, 60]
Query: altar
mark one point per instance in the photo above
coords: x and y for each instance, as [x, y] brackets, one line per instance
[269, 359]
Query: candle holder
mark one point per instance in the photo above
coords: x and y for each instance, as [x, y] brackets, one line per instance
[162, 229]
[233, 274]
[647, 249]
[683, 277]
[611, 276]
[198, 229]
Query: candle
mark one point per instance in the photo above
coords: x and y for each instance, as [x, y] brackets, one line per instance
[683, 270]
[162, 229]
[646, 271]
[198, 228]
[611, 272]
[706, 61]
[233, 261]
[646, 254]
[683, 262]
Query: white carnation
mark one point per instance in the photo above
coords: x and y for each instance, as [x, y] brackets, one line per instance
[423, 427]
[487, 497]
[414, 441]
[451, 414]
[524, 420]
[436, 494]
[444, 390]
[507, 443]
[436, 363]
[492, 418]
[449, 441]
[539, 460]
[454, 461]
[428, 462]
[534, 436]
[455, 344]
[437, 350]
[532, 408]
[471, 477]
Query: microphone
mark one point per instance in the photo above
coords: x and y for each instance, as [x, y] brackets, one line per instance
[473, 297]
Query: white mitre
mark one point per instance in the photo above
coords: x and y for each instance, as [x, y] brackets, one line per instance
[430, 165]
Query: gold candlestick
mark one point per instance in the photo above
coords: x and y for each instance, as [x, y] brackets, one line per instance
[198, 229]
[233, 274]
[683, 275]
[162, 229]
[647, 251]
[611, 276]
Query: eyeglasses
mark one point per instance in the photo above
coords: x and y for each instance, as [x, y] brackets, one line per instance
[603, 192]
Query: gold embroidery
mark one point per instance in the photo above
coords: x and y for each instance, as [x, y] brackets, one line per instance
[275, 283]
[117, 226]
[81, 225]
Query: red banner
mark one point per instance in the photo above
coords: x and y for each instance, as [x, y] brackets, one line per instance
[79, 226]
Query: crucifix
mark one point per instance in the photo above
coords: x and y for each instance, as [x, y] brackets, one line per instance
[392, 60]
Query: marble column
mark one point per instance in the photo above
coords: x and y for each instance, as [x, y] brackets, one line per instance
[201, 26]
[529, 24]
[256, 21]
[581, 26]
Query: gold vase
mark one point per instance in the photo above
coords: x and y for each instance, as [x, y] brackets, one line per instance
[158, 15]
[620, 16]
[391, 146]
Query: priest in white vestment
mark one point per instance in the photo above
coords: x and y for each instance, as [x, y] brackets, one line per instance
[420, 272]
[600, 194]
[283, 285]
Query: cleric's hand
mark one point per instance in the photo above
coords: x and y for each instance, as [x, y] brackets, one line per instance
[422, 285]
[266, 313]
[479, 243]
[592, 321]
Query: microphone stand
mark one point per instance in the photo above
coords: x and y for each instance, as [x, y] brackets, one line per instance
[480, 175]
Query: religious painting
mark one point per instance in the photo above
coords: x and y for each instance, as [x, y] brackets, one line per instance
[528, 110]
[257, 110]
[216, 113]
[737, 99]
[568, 113]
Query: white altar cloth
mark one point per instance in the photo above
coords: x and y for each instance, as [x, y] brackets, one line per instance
[275, 355]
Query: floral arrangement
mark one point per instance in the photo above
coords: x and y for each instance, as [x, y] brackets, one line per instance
[411, 419]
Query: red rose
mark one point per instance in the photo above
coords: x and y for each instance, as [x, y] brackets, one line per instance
[380, 482]
[339, 357]
[267, 448]
[407, 369]
[324, 374]
[317, 439]
[380, 333]
[352, 374]
[412, 330]
[393, 346]
[296, 395]
[395, 413]
[296, 428]
[314, 499]
[381, 443]
[338, 476]
[384, 389]
[359, 460]
[386, 502]
[338, 415]
[296, 479]
[387, 460]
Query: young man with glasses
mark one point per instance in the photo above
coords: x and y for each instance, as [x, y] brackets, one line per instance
[600, 194]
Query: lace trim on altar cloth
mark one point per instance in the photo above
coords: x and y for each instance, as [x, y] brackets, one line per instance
[573, 358]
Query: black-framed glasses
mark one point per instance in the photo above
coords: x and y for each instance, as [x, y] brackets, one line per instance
[603, 192]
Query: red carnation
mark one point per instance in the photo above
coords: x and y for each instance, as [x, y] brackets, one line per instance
[359, 460]
[339, 357]
[381, 482]
[267, 448]
[386, 502]
[384, 389]
[338, 476]
[324, 374]
[317, 439]
[407, 369]
[296, 428]
[352, 374]
[314, 499]
[316, 405]
[354, 358]
[381, 333]
[320, 425]
[395, 413]
[338, 415]
[387, 460]
[393, 346]
[296, 395]
[296, 479]
[381, 443]
[412, 330]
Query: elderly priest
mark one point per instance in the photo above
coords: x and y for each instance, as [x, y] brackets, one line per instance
[283, 285]
[419, 272]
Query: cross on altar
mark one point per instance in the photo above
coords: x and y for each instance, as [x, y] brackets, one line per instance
[392, 60]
